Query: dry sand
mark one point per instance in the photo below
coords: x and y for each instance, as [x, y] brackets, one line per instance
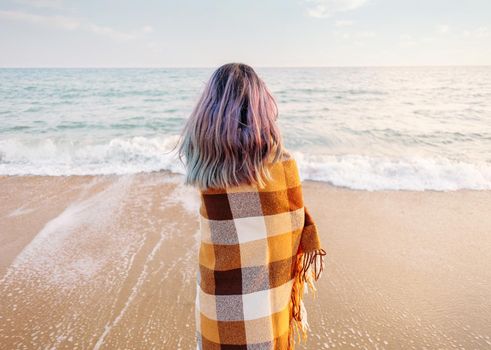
[110, 262]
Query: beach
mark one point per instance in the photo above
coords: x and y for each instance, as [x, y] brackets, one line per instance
[105, 111]
[109, 261]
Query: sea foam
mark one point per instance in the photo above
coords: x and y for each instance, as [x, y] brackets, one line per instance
[405, 173]
[147, 154]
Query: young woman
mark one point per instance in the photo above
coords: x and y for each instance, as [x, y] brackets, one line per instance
[259, 244]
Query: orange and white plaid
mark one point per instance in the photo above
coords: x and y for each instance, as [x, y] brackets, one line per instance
[259, 248]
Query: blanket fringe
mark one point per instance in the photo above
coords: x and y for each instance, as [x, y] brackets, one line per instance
[308, 269]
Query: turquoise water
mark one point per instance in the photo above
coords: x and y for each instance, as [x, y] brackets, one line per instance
[363, 128]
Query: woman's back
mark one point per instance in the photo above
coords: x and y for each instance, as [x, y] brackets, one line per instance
[250, 238]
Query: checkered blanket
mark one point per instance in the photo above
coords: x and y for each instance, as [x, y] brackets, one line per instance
[259, 249]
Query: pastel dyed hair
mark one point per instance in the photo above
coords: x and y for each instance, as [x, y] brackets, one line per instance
[231, 134]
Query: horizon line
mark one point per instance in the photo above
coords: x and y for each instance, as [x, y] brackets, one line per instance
[258, 66]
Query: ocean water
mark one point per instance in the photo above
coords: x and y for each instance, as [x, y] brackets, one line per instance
[402, 128]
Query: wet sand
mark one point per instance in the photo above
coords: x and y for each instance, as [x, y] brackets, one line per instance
[109, 262]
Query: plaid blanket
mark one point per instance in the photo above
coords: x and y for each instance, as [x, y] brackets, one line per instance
[259, 249]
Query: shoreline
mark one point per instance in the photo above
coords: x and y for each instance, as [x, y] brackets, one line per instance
[101, 261]
[166, 172]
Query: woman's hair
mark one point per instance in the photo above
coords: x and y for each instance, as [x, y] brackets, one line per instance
[231, 134]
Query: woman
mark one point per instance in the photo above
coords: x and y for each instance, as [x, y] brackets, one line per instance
[259, 245]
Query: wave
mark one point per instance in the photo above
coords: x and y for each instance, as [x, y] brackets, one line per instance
[56, 157]
[405, 173]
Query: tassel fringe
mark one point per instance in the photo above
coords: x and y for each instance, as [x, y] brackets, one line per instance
[308, 269]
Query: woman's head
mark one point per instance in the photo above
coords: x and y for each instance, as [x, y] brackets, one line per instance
[232, 132]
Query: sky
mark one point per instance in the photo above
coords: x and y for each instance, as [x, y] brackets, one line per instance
[278, 33]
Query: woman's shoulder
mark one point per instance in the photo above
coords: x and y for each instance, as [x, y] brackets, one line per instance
[286, 160]
[284, 173]
[286, 155]
[283, 156]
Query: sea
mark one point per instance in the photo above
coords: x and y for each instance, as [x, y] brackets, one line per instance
[370, 128]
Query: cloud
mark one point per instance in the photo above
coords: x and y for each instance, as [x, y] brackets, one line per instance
[479, 32]
[147, 29]
[326, 8]
[343, 23]
[54, 21]
[442, 29]
[52, 4]
[482, 32]
[406, 40]
[109, 32]
[67, 23]
[364, 34]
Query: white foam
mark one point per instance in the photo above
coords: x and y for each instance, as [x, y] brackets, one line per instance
[405, 173]
[145, 154]
[22, 156]
[20, 211]
[187, 197]
[134, 292]
[52, 252]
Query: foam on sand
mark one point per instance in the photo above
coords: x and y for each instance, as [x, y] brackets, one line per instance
[85, 273]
